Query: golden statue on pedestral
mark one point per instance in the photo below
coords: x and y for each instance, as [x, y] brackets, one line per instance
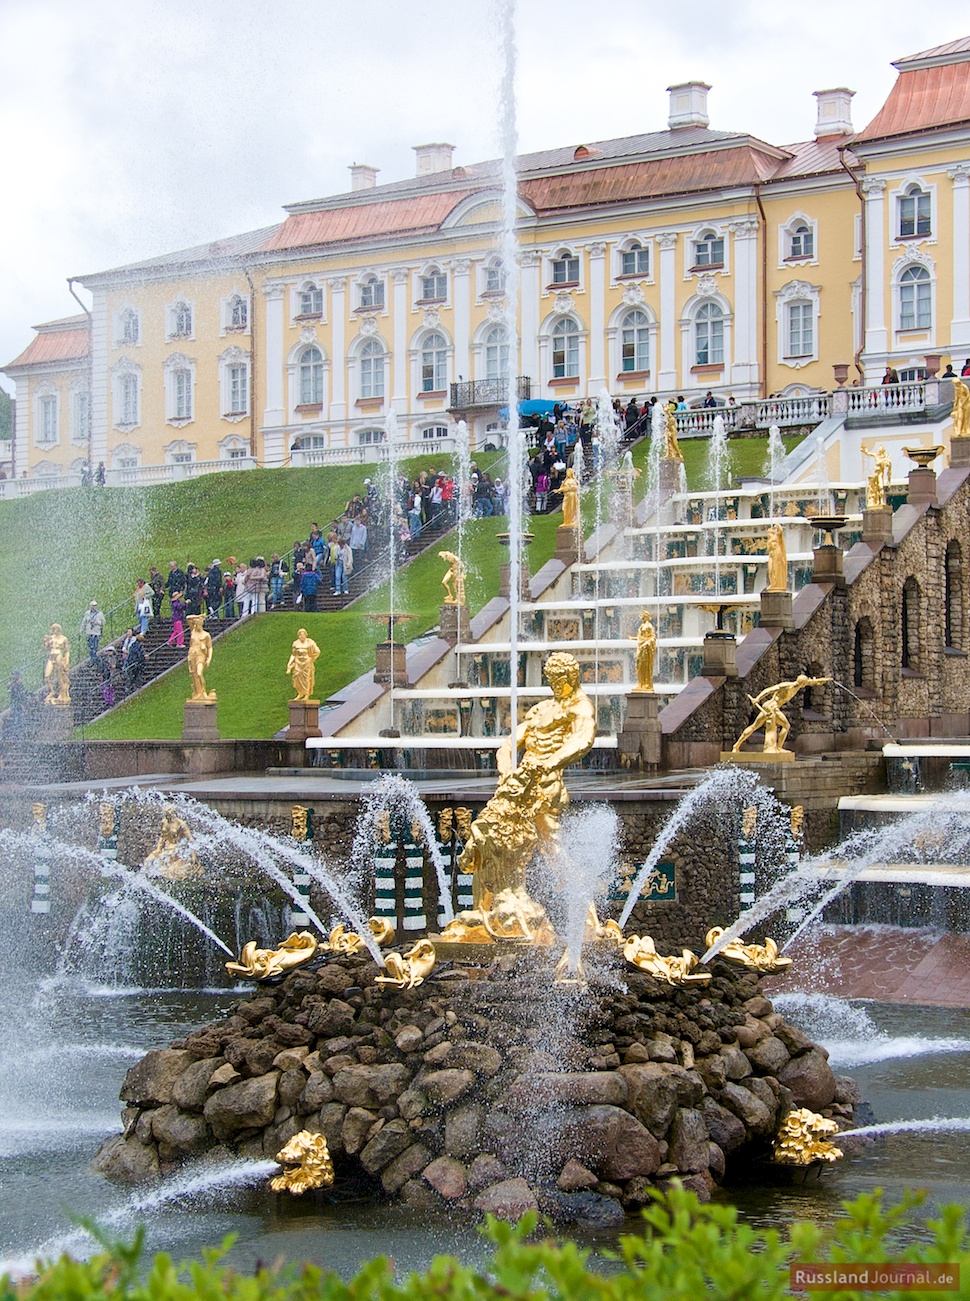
[770, 716]
[302, 664]
[961, 410]
[173, 858]
[200, 657]
[878, 481]
[454, 579]
[570, 500]
[646, 653]
[777, 560]
[672, 450]
[522, 817]
[57, 669]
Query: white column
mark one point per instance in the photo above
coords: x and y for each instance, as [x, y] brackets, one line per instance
[667, 243]
[24, 431]
[960, 325]
[100, 342]
[597, 319]
[274, 413]
[338, 363]
[745, 367]
[530, 264]
[399, 362]
[462, 316]
[877, 335]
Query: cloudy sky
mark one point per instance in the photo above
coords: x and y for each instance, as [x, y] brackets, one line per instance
[131, 128]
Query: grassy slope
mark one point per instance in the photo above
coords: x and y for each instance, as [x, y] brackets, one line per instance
[248, 666]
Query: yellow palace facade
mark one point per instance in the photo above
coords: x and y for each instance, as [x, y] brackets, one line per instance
[679, 262]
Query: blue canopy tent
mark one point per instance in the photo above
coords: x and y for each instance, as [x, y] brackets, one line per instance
[530, 407]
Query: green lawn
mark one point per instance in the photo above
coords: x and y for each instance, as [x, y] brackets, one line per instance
[746, 456]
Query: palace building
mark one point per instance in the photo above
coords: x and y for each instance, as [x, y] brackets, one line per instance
[675, 262]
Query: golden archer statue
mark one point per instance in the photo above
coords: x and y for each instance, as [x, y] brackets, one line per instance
[646, 653]
[302, 664]
[200, 657]
[770, 716]
[878, 481]
[58, 667]
[961, 410]
[672, 450]
[454, 579]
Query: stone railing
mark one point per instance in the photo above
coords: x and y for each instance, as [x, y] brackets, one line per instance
[889, 399]
[134, 476]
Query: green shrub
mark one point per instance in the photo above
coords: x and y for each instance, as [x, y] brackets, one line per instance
[685, 1252]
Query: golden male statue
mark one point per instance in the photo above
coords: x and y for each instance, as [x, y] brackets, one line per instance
[646, 652]
[58, 667]
[770, 716]
[200, 657]
[454, 579]
[304, 654]
[173, 857]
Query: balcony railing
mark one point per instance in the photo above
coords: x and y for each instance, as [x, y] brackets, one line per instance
[488, 393]
[888, 399]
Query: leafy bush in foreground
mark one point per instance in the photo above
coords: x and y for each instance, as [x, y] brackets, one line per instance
[686, 1250]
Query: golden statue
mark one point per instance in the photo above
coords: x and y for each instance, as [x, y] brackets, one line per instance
[797, 822]
[756, 957]
[200, 657]
[802, 1139]
[38, 813]
[749, 823]
[454, 579]
[411, 969]
[58, 667]
[672, 450]
[298, 821]
[878, 481]
[313, 1167]
[597, 930]
[640, 952]
[961, 410]
[382, 931]
[343, 941]
[770, 716]
[570, 500]
[646, 653]
[777, 560]
[173, 858]
[260, 964]
[302, 664]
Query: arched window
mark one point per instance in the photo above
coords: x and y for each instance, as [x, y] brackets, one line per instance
[709, 335]
[372, 292]
[863, 661]
[372, 369]
[495, 277]
[129, 331]
[565, 349]
[366, 437]
[709, 249]
[311, 377]
[497, 353]
[311, 301]
[238, 312]
[181, 320]
[635, 342]
[565, 268]
[635, 260]
[953, 598]
[910, 626]
[915, 299]
[434, 364]
[434, 286]
[802, 241]
[915, 215]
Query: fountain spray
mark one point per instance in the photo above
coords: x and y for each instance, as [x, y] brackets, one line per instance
[391, 430]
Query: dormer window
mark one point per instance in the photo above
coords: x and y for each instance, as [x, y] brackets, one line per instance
[915, 214]
[709, 250]
[635, 260]
[372, 292]
[802, 242]
[311, 301]
[434, 286]
[565, 269]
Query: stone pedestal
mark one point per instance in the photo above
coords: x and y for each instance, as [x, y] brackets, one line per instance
[877, 524]
[639, 742]
[827, 566]
[757, 756]
[200, 721]
[55, 723]
[505, 581]
[922, 487]
[382, 673]
[304, 720]
[669, 476]
[453, 623]
[959, 452]
[776, 611]
[569, 544]
[720, 655]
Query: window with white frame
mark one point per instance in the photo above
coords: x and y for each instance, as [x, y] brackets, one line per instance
[913, 374]
[47, 418]
[366, 437]
[372, 358]
[495, 277]
[434, 363]
[915, 299]
[311, 377]
[801, 241]
[435, 431]
[565, 268]
[635, 342]
[801, 330]
[182, 458]
[80, 415]
[127, 399]
[310, 301]
[497, 353]
[915, 213]
[129, 327]
[635, 260]
[709, 249]
[237, 388]
[565, 349]
[372, 292]
[709, 335]
[434, 286]
[182, 393]
[238, 313]
[181, 320]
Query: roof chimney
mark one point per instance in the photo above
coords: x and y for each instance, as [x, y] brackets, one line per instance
[834, 112]
[363, 177]
[433, 158]
[688, 105]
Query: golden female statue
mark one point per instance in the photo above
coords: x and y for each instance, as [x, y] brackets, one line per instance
[961, 410]
[57, 668]
[173, 857]
[570, 500]
[302, 664]
[777, 560]
[646, 652]
[672, 450]
[879, 480]
[200, 657]
[454, 579]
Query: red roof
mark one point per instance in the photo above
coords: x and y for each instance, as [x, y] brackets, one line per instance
[423, 212]
[921, 98]
[56, 341]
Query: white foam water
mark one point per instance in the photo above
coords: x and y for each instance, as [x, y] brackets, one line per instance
[851, 1037]
[935, 1125]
